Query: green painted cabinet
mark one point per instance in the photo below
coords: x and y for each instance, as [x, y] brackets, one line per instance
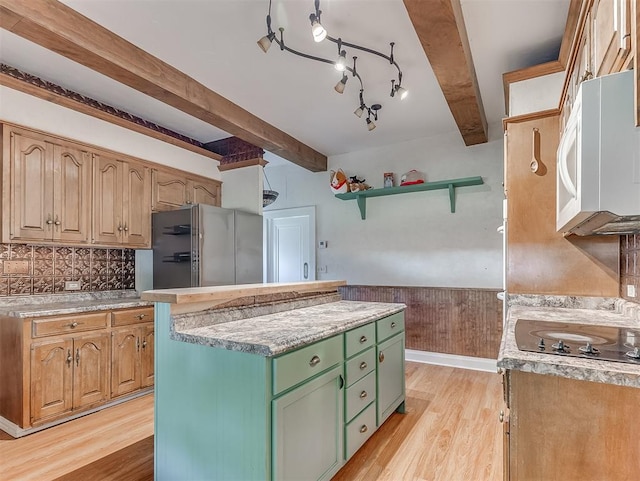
[307, 429]
[231, 415]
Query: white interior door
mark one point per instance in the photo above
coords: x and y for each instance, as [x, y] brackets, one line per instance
[289, 244]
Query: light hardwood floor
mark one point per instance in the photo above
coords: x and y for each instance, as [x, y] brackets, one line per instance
[449, 433]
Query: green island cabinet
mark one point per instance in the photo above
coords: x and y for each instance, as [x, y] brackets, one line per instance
[229, 415]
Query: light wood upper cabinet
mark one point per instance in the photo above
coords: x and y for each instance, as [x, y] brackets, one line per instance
[173, 189]
[611, 29]
[121, 202]
[49, 190]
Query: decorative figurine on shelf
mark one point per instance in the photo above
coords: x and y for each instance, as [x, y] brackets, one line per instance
[356, 185]
[388, 179]
[339, 183]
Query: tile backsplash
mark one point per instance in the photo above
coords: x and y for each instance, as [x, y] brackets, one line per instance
[630, 266]
[46, 268]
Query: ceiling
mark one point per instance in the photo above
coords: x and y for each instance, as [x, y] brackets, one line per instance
[214, 42]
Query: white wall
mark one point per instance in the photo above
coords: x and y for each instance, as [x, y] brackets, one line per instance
[535, 94]
[407, 239]
[242, 189]
[29, 111]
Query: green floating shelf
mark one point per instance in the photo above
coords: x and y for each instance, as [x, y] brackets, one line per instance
[361, 197]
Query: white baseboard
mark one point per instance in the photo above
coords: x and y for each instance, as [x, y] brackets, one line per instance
[452, 360]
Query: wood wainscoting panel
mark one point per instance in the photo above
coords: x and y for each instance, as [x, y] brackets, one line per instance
[465, 322]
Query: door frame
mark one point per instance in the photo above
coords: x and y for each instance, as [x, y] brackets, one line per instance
[267, 232]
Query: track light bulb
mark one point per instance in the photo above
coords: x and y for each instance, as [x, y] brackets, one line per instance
[402, 92]
[340, 85]
[318, 31]
[264, 43]
[370, 125]
[358, 112]
[341, 63]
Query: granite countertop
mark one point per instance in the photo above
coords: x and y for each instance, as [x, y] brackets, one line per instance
[272, 334]
[59, 304]
[613, 314]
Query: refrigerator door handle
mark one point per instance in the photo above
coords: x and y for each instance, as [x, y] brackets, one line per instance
[306, 270]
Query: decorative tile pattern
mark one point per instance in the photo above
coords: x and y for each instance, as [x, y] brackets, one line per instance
[51, 266]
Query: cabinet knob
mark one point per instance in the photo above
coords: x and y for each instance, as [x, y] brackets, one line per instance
[73, 324]
[363, 365]
[57, 221]
[140, 316]
[144, 344]
[49, 221]
[501, 416]
[315, 360]
[363, 394]
[393, 324]
[364, 428]
[126, 229]
[381, 356]
[120, 228]
[363, 339]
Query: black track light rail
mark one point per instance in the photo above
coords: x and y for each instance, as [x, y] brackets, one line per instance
[389, 58]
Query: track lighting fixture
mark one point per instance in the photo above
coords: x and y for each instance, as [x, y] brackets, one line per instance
[341, 85]
[319, 34]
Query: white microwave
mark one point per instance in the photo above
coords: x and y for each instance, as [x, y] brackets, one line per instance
[598, 170]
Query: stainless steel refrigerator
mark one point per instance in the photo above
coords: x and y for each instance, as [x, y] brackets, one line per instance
[203, 245]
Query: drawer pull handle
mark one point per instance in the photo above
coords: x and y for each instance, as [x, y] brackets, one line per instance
[364, 428]
[73, 324]
[315, 360]
[363, 339]
[69, 357]
[363, 394]
[363, 365]
[381, 356]
[501, 416]
[77, 357]
[144, 344]
[393, 324]
[140, 316]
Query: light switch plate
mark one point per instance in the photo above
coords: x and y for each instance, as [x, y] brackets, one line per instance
[631, 290]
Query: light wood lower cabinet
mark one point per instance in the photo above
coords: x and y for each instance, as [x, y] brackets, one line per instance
[68, 374]
[559, 428]
[131, 359]
[54, 367]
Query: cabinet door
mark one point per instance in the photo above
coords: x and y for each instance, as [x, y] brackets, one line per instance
[125, 364]
[204, 192]
[91, 371]
[611, 39]
[107, 200]
[137, 205]
[51, 378]
[31, 186]
[147, 350]
[72, 194]
[308, 429]
[169, 191]
[390, 376]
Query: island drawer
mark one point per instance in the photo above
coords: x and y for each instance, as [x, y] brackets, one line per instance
[294, 367]
[137, 315]
[360, 395]
[359, 339]
[50, 326]
[359, 430]
[389, 326]
[360, 366]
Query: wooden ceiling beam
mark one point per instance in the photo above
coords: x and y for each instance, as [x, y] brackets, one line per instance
[442, 33]
[61, 29]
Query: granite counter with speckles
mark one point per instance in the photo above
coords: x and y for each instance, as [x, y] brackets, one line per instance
[61, 304]
[279, 332]
[617, 313]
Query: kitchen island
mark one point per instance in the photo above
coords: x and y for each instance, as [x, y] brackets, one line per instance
[571, 417]
[271, 381]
